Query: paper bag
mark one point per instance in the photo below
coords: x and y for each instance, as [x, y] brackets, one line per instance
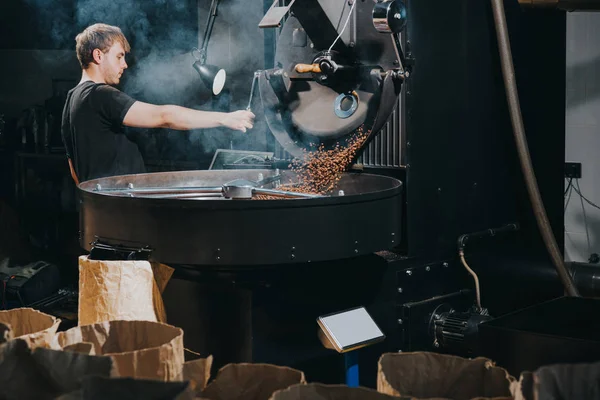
[6, 333]
[121, 290]
[44, 373]
[423, 375]
[318, 391]
[251, 382]
[20, 377]
[81, 348]
[197, 373]
[139, 349]
[559, 381]
[66, 370]
[35, 327]
[99, 388]
[162, 276]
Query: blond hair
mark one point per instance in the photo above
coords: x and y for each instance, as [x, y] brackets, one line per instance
[98, 36]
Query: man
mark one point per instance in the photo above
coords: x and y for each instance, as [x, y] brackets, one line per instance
[95, 112]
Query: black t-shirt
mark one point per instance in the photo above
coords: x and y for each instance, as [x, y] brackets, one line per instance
[94, 135]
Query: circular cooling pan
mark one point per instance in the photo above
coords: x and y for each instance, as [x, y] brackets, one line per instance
[243, 233]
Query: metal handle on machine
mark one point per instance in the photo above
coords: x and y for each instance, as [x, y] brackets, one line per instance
[389, 16]
[254, 79]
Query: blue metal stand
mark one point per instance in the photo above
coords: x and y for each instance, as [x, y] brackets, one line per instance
[351, 366]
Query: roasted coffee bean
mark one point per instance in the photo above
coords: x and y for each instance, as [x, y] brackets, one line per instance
[319, 171]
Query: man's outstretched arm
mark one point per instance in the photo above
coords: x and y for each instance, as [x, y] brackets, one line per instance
[144, 115]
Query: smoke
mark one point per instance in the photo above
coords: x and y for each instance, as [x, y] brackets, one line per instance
[162, 34]
[126, 14]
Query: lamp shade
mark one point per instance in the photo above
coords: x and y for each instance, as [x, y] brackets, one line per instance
[212, 76]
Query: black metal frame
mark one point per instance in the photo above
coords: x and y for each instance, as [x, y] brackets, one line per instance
[212, 15]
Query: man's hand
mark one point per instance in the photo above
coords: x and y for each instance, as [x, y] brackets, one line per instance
[239, 120]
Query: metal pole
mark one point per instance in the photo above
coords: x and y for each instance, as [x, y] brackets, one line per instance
[351, 367]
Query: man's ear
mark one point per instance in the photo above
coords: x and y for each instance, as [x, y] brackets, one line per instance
[97, 55]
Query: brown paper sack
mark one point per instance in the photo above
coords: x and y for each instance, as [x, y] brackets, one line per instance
[34, 327]
[197, 373]
[318, 391]
[6, 333]
[121, 290]
[139, 349]
[423, 375]
[251, 381]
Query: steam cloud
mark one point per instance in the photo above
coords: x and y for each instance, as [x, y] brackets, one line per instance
[162, 34]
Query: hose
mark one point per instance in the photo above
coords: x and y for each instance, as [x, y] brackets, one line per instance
[461, 253]
[523, 150]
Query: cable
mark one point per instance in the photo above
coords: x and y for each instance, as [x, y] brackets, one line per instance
[512, 96]
[585, 198]
[568, 196]
[192, 352]
[344, 28]
[569, 185]
[587, 233]
[461, 253]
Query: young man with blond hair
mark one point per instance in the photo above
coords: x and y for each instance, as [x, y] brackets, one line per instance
[95, 112]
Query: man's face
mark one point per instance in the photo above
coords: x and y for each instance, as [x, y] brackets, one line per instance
[113, 64]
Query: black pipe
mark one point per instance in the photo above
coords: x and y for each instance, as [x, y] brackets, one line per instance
[464, 239]
[586, 277]
[512, 95]
[212, 15]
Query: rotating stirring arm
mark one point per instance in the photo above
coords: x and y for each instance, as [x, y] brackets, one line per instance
[236, 189]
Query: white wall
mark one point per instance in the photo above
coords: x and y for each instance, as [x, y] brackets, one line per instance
[583, 132]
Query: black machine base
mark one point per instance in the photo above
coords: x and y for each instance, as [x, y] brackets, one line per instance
[564, 330]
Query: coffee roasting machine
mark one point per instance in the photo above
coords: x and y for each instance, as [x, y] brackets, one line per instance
[434, 197]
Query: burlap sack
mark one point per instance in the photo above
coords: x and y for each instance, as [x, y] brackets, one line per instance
[34, 327]
[423, 375]
[139, 349]
[318, 391]
[251, 381]
[121, 290]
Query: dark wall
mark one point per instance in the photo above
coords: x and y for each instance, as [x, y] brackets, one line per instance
[53, 24]
[463, 173]
[32, 76]
[26, 24]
